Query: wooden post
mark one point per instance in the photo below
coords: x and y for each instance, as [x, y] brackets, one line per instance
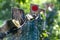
[18, 14]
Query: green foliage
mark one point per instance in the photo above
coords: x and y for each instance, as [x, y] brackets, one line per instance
[1, 22]
[5, 13]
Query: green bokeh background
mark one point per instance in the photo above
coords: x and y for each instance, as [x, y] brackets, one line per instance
[5, 12]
